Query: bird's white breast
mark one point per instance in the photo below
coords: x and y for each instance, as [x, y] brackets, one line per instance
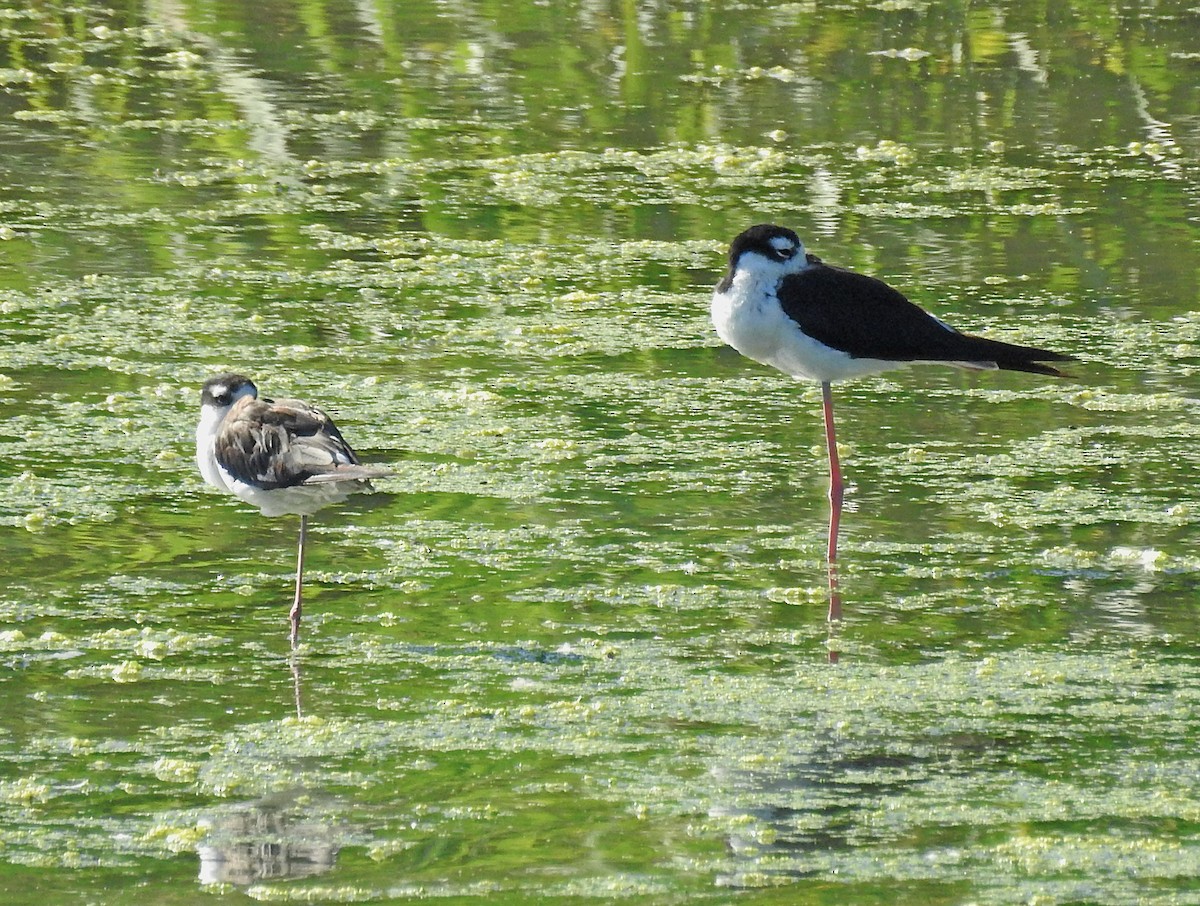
[206, 456]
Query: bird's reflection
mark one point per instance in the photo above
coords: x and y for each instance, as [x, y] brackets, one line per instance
[835, 614]
[297, 685]
[264, 841]
[791, 819]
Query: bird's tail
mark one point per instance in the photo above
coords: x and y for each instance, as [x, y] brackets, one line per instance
[344, 472]
[992, 354]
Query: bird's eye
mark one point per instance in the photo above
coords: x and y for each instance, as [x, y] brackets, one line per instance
[781, 248]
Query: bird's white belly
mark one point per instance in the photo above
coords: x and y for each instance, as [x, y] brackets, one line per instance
[299, 500]
[751, 320]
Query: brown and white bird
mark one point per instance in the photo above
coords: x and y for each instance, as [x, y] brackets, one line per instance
[283, 456]
[785, 308]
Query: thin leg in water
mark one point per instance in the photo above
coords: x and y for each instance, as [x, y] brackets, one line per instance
[835, 507]
[836, 489]
[295, 614]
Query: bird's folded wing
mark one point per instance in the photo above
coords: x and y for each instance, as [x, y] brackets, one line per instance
[283, 443]
[864, 317]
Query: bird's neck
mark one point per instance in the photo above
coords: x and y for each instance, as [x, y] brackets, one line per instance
[749, 285]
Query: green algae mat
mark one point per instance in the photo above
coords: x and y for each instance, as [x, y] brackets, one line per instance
[575, 648]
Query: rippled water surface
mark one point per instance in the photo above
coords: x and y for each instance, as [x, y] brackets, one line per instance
[576, 648]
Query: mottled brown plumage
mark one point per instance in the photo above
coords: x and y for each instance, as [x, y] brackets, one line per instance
[275, 444]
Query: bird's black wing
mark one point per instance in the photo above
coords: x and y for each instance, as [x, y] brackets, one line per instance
[866, 318]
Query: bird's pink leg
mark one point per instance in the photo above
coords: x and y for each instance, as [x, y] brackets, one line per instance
[295, 614]
[836, 488]
[836, 491]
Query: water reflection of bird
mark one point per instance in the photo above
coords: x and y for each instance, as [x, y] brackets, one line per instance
[264, 841]
[283, 456]
[788, 309]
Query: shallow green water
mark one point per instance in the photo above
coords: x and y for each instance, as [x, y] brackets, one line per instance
[576, 649]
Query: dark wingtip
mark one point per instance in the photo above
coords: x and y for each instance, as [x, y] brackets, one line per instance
[1036, 365]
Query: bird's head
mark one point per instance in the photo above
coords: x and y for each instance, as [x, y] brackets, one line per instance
[772, 251]
[221, 392]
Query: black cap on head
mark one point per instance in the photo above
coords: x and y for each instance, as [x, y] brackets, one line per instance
[771, 241]
[221, 390]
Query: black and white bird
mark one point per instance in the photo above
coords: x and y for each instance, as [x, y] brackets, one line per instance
[283, 456]
[785, 308]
